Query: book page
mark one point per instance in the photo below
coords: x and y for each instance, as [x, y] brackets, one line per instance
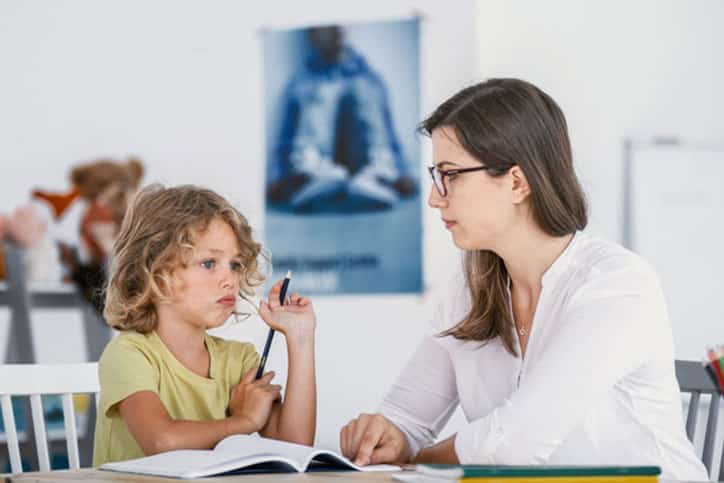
[247, 445]
[192, 463]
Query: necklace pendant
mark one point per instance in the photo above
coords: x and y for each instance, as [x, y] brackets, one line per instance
[521, 331]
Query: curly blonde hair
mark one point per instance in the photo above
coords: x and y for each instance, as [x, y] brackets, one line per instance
[156, 237]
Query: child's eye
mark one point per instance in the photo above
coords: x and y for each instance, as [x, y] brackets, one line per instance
[208, 264]
[235, 267]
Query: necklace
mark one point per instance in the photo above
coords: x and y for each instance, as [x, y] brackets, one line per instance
[522, 331]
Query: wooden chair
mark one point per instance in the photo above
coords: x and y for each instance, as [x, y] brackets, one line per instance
[35, 380]
[693, 379]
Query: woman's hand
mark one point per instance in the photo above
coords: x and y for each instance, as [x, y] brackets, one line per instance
[373, 439]
[252, 399]
[294, 319]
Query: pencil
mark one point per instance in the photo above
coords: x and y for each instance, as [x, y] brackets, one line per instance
[270, 335]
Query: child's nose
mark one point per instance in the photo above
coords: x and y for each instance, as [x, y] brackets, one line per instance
[228, 279]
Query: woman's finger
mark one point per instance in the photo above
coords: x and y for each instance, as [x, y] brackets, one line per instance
[369, 442]
[385, 453]
[342, 442]
[360, 429]
[348, 432]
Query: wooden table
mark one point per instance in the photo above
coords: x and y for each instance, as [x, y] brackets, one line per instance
[91, 475]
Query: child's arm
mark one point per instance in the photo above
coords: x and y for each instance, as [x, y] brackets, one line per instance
[295, 419]
[155, 431]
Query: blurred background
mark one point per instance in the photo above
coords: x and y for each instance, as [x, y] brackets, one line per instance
[178, 85]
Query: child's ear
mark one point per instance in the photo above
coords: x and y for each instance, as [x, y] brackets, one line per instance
[167, 285]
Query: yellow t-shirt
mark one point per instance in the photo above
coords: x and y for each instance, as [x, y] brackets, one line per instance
[134, 362]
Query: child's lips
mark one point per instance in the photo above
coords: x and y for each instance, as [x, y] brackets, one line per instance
[227, 301]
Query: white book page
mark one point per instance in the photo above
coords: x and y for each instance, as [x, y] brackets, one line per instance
[247, 445]
[186, 463]
[243, 445]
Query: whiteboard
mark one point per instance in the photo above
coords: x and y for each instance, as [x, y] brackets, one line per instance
[676, 221]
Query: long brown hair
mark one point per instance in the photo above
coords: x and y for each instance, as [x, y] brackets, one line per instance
[156, 237]
[503, 123]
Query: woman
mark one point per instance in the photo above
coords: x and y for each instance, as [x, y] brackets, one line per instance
[557, 345]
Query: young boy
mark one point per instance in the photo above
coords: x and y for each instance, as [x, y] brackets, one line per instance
[182, 258]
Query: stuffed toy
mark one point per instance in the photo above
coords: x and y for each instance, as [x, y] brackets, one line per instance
[66, 237]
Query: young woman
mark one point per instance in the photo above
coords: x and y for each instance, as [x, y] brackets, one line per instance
[557, 345]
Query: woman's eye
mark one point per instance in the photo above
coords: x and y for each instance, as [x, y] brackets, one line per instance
[235, 267]
[451, 177]
[208, 264]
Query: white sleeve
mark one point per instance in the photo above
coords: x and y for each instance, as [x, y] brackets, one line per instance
[605, 334]
[424, 396]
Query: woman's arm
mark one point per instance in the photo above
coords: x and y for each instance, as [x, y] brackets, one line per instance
[411, 415]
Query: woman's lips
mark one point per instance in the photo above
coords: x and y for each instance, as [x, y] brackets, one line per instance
[449, 223]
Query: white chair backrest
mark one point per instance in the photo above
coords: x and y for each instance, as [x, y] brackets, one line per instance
[35, 380]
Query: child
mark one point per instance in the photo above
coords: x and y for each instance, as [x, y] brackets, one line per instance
[181, 259]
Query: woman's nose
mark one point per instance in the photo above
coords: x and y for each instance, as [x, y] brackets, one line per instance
[434, 200]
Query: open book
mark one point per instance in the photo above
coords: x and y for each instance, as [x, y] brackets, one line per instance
[240, 454]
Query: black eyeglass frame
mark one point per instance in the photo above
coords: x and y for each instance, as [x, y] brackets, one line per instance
[449, 172]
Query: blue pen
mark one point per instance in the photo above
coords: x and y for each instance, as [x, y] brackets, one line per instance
[270, 336]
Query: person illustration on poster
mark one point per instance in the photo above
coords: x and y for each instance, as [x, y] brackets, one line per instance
[337, 150]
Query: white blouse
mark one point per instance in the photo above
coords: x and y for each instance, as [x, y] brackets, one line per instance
[596, 386]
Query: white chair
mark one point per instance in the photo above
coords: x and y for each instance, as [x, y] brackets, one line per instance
[35, 380]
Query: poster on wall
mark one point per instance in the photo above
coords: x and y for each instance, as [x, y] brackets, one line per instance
[343, 208]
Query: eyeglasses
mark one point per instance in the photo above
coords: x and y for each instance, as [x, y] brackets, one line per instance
[438, 176]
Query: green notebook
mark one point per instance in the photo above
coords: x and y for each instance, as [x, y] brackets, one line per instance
[506, 471]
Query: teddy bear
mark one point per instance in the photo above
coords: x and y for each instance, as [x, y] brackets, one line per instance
[67, 236]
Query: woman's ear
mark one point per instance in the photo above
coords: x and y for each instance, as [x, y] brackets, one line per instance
[520, 187]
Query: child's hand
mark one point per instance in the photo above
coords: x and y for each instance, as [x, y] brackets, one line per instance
[252, 399]
[294, 319]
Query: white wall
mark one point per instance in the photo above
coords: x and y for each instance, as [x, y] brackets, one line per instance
[618, 69]
[179, 84]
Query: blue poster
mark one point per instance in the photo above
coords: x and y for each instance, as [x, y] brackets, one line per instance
[343, 208]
